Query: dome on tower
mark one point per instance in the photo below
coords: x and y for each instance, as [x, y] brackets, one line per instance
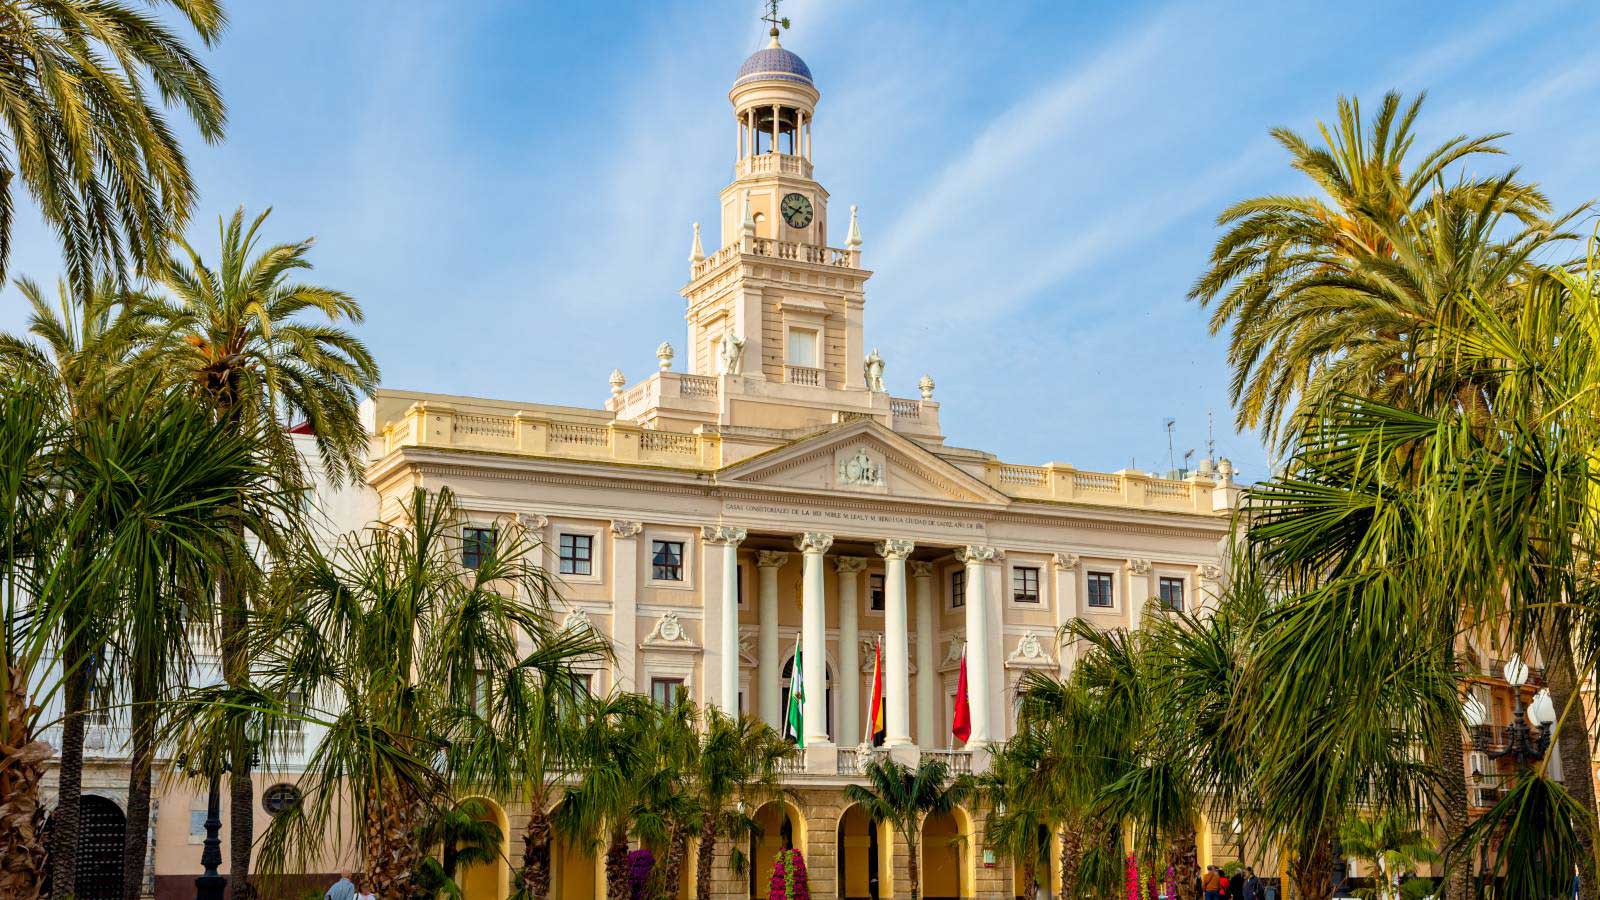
[773, 63]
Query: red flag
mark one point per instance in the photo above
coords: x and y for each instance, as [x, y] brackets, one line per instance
[877, 727]
[961, 722]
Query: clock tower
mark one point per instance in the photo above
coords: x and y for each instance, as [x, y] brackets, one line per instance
[774, 303]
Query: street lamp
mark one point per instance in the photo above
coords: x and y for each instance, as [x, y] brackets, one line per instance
[212, 885]
[1524, 745]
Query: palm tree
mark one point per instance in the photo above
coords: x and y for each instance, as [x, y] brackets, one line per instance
[465, 835]
[79, 352]
[611, 758]
[1016, 793]
[903, 797]
[388, 639]
[669, 810]
[82, 130]
[31, 526]
[1335, 291]
[166, 485]
[737, 762]
[243, 344]
[1391, 843]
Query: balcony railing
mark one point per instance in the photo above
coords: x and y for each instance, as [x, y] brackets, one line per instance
[770, 163]
[958, 761]
[806, 375]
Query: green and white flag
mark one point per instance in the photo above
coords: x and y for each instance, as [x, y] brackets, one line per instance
[794, 719]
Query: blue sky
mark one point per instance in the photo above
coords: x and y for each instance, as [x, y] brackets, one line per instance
[508, 187]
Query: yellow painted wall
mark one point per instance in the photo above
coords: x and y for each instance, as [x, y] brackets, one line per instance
[575, 873]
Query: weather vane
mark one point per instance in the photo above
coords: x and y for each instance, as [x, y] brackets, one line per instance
[773, 17]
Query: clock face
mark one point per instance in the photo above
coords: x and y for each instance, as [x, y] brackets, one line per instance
[796, 210]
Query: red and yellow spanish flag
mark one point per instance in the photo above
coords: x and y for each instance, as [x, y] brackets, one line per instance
[961, 722]
[877, 727]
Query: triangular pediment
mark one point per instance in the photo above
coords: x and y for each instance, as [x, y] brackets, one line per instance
[862, 458]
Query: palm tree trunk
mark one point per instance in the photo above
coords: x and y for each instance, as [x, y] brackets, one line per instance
[677, 855]
[536, 854]
[617, 865]
[241, 789]
[1030, 877]
[137, 836]
[914, 865]
[1185, 864]
[22, 847]
[69, 791]
[707, 854]
[1452, 807]
[392, 853]
[1071, 843]
[1312, 869]
[1573, 740]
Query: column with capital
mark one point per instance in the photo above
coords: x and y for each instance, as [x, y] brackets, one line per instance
[927, 642]
[1140, 589]
[728, 611]
[977, 560]
[896, 661]
[848, 684]
[1066, 599]
[625, 600]
[813, 546]
[769, 668]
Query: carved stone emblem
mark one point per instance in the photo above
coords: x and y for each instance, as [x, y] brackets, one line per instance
[625, 529]
[1029, 653]
[668, 630]
[860, 470]
[1139, 566]
[577, 620]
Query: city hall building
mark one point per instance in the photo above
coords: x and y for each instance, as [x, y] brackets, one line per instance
[759, 492]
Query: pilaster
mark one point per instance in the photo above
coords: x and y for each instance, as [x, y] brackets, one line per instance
[625, 601]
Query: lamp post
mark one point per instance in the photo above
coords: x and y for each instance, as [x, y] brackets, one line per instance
[1524, 745]
[211, 885]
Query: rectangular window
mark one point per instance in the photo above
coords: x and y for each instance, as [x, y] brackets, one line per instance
[476, 545]
[1025, 584]
[1100, 595]
[1172, 594]
[803, 347]
[875, 592]
[577, 554]
[958, 587]
[666, 560]
[666, 692]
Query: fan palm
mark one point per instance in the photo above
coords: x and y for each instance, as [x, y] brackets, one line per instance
[610, 757]
[1336, 292]
[1391, 843]
[242, 341]
[738, 761]
[79, 351]
[84, 133]
[1018, 818]
[903, 797]
[387, 639]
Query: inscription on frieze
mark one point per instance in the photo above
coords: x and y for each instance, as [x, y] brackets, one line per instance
[852, 516]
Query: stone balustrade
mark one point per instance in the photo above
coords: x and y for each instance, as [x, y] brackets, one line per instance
[1059, 481]
[549, 434]
[815, 254]
[773, 163]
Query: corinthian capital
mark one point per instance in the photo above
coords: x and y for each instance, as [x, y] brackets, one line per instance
[623, 528]
[722, 534]
[814, 542]
[771, 559]
[895, 548]
[921, 569]
[850, 565]
[976, 553]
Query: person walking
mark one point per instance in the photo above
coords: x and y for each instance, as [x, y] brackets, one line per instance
[364, 891]
[1253, 888]
[343, 889]
[1211, 883]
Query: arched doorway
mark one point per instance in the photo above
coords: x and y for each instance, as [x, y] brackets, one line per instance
[102, 834]
[489, 880]
[780, 827]
[788, 678]
[1043, 856]
[576, 872]
[947, 872]
[865, 871]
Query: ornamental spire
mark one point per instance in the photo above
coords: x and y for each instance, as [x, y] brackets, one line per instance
[775, 20]
[696, 252]
[853, 239]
